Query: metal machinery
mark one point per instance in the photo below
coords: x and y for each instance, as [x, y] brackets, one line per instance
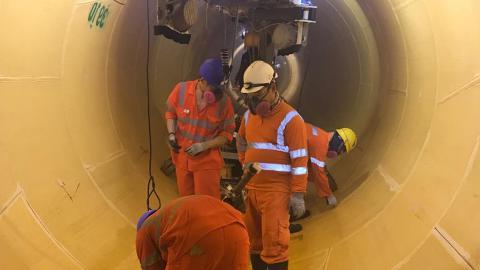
[289, 19]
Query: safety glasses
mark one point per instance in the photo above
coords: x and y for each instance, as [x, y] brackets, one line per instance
[249, 85]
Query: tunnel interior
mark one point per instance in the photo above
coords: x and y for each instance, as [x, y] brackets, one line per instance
[74, 145]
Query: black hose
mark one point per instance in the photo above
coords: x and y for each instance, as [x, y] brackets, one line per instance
[151, 189]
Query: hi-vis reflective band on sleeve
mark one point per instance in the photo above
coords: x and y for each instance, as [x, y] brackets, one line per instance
[299, 170]
[314, 131]
[317, 162]
[298, 153]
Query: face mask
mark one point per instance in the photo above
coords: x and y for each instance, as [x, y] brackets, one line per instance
[209, 97]
[257, 105]
[335, 146]
[332, 154]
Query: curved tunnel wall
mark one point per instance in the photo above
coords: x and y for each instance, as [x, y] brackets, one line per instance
[74, 146]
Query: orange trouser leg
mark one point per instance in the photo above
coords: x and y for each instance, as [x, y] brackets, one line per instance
[221, 249]
[207, 182]
[321, 184]
[267, 222]
[184, 182]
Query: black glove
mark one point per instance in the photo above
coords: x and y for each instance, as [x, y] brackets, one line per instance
[172, 142]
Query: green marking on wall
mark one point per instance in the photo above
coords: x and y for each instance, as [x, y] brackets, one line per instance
[98, 15]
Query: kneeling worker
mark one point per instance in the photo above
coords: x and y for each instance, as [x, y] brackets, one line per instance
[193, 232]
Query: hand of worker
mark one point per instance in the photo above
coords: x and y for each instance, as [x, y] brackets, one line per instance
[297, 204]
[172, 142]
[332, 200]
[196, 149]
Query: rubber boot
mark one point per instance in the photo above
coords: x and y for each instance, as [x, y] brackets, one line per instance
[294, 227]
[257, 262]
[278, 266]
[305, 215]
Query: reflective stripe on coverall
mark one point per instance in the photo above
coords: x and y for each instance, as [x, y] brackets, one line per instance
[318, 140]
[199, 174]
[279, 144]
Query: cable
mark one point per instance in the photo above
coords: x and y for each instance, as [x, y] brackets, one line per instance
[235, 33]
[151, 189]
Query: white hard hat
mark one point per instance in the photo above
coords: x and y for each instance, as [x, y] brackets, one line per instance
[258, 75]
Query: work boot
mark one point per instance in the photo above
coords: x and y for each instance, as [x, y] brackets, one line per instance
[257, 262]
[278, 266]
[305, 215]
[294, 228]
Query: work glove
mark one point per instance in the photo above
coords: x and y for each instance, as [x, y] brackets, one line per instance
[196, 149]
[332, 200]
[297, 204]
[172, 142]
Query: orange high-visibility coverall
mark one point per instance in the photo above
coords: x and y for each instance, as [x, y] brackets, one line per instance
[199, 174]
[318, 141]
[194, 232]
[279, 144]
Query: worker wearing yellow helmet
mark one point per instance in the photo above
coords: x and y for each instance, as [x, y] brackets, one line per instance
[323, 145]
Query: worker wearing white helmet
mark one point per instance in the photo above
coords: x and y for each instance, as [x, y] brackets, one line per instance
[273, 135]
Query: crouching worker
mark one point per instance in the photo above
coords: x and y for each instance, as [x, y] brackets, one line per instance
[193, 232]
[323, 145]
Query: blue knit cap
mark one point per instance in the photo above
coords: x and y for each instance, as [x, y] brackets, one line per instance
[211, 70]
[143, 218]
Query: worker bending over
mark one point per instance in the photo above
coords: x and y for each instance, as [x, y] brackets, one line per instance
[272, 134]
[193, 232]
[199, 120]
[323, 145]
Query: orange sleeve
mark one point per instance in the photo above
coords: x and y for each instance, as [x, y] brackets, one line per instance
[317, 146]
[172, 102]
[321, 182]
[241, 142]
[228, 125]
[296, 140]
[147, 252]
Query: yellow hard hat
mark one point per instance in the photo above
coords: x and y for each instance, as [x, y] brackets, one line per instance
[349, 138]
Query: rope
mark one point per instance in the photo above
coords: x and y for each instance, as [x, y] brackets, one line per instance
[151, 189]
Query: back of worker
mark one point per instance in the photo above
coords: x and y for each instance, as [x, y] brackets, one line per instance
[273, 137]
[193, 232]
